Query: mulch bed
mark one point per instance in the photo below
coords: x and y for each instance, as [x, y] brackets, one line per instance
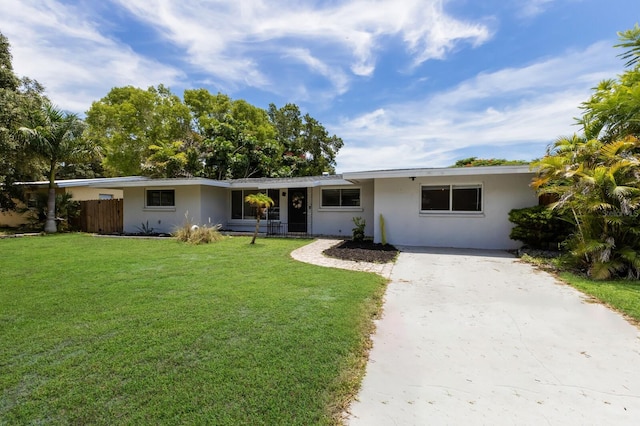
[363, 251]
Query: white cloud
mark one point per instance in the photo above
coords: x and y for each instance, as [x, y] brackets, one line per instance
[63, 49]
[531, 8]
[353, 32]
[531, 105]
[335, 75]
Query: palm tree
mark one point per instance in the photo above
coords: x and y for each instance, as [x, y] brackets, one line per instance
[56, 137]
[261, 202]
[630, 40]
[598, 182]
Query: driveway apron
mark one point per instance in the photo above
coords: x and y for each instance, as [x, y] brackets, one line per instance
[477, 337]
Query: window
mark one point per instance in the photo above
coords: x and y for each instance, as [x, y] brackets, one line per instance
[240, 209]
[435, 197]
[347, 197]
[105, 196]
[161, 198]
[456, 198]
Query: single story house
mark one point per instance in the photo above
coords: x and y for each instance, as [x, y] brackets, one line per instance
[438, 207]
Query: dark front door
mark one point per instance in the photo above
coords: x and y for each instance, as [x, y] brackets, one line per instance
[297, 210]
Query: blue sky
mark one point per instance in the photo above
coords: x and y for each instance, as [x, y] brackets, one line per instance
[405, 83]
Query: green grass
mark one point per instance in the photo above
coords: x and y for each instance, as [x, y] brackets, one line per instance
[127, 331]
[621, 295]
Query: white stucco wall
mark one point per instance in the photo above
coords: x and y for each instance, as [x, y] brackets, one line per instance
[215, 206]
[339, 221]
[161, 219]
[399, 199]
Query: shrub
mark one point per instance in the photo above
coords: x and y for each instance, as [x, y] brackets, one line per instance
[358, 231]
[66, 211]
[540, 227]
[145, 229]
[195, 234]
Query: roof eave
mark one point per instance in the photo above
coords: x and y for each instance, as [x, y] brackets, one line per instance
[445, 171]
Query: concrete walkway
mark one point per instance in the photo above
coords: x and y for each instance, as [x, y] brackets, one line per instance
[477, 337]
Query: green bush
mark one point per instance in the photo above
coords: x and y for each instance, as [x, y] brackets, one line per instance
[358, 231]
[540, 227]
[66, 211]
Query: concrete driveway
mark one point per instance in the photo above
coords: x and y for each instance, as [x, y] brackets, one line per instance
[476, 337]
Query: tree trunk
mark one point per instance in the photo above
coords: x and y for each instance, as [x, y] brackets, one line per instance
[255, 233]
[50, 225]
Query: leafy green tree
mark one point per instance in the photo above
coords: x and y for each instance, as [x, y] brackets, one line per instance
[128, 121]
[17, 98]
[238, 141]
[260, 202]
[308, 148]
[478, 162]
[56, 137]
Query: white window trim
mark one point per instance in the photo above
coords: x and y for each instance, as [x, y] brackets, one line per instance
[159, 208]
[451, 212]
[341, 208]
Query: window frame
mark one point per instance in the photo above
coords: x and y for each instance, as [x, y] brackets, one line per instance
[452, 188]
[341, 205]
[160, 206]
[251, 215]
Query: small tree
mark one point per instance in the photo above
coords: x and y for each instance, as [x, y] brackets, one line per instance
[56, 137]
[261, 202]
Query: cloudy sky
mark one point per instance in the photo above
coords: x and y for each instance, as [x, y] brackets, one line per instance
[405, 83]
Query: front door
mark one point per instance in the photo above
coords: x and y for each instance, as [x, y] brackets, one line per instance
[297, 210]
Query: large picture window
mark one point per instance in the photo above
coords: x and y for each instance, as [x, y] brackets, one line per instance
[240, 209]
[341, 197]
[161, 198]
[451, 198]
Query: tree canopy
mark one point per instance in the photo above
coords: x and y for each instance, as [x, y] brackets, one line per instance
[596, 174]
[138, 129]
[18, 99]
[479, 162]
[152, 132]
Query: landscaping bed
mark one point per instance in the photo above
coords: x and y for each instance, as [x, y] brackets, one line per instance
[363, 251]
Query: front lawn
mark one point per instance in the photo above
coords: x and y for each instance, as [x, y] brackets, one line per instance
[129, 331]
[624, 296]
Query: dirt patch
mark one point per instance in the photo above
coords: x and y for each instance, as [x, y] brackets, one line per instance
[363, 251]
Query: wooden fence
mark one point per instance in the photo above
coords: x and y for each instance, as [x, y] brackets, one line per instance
[101, 216]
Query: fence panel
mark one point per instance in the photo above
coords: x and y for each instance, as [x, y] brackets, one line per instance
[101, 216]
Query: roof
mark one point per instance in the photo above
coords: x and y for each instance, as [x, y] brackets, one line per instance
[259, 183]
[442, 171]
[290, 182]
[130, 181]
